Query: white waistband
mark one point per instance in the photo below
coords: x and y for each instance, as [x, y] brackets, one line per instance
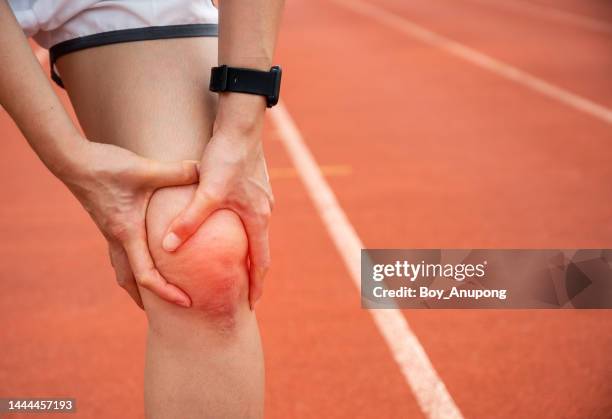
[53, 21]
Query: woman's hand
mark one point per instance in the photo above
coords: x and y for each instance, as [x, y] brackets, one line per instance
[114, 185]
[233, 175]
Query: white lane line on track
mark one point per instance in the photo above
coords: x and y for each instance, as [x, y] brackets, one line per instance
[552, 14]
[429, 390]
[405, 26]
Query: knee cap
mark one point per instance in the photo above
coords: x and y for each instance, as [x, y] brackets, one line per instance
[211, 266]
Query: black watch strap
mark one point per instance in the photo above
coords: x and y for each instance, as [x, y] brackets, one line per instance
[246, 80]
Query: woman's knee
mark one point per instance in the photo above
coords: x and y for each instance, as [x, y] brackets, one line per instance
[211, 266]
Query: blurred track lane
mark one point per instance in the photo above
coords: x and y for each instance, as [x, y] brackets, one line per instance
[447, 155]
[429, 390]
[408, 27]
[541, 11]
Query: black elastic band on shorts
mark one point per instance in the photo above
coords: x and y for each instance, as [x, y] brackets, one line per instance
[127, 35]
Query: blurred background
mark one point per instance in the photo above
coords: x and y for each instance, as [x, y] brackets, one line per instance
[438, 123]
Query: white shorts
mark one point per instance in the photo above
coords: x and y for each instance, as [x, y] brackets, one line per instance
[65, 26]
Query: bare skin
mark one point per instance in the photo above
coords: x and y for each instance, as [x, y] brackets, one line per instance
[116, 195]
[152, 98]
[145, 101]
[233, 162]
[113, 184]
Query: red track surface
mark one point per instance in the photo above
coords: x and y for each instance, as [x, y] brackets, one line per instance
[442, 154]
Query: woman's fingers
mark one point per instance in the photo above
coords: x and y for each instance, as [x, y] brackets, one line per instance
[146, 274]
[123, 272]
[114, 186]
[161, 174]
[259, 253]
[189, 220]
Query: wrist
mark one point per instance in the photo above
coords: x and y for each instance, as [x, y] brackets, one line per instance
[240, 113]
[70, 164]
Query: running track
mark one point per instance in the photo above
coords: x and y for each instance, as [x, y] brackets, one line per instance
[447, 123]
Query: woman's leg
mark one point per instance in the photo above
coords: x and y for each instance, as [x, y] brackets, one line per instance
[152, 97]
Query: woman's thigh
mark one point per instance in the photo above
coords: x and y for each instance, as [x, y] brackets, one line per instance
[150, 97]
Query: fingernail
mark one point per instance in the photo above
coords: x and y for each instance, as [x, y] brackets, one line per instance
[183, 303]
[171, 242]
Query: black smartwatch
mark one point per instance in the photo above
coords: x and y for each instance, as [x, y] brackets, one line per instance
[246, 80]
